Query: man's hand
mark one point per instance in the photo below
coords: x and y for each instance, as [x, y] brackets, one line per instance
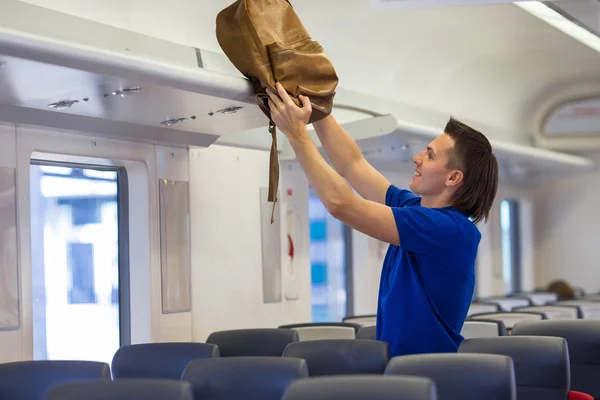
[368, 217]
[289, 118]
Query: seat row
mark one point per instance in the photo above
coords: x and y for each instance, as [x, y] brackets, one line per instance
[536, 298]
[585, 308]
[499, 368]
[322, 357]
[361, 387]
[543, 359]
[536, 313]
[444, 376]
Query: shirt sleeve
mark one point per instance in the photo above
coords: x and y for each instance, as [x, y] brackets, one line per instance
[396, 197]
[425, 230]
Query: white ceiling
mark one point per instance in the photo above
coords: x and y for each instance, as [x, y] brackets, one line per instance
[482, 63]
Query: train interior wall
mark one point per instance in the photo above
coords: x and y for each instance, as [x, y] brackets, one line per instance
[225, 237]
[225, 223]
[566, 230]
[558, 220]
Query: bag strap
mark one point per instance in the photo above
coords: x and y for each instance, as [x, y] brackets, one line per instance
[273, 169]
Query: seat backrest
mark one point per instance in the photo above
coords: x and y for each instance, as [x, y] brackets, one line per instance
[341, 357]
[367, 332]
[483, 328]
[461, 376]
[125, 389]
[253, 342]
[583, 339]
[325, 330]
[508, 303]
[589, 309]
[509, 318]
[233, 378]
[158, 360]
[478, 308]
[325, 333]
[363, 320]
[31, 380]
[360, 387]
[552, 311]
[541, 364]
[591, 297]
[539, 298]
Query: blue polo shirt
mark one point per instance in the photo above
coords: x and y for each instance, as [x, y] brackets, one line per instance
[427, 282]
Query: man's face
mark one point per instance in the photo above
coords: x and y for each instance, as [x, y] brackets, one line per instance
[431, 174]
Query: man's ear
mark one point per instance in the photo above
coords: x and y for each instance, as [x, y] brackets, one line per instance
[454, 178]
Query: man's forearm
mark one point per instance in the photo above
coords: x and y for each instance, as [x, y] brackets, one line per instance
[339, 146]
[329, 186]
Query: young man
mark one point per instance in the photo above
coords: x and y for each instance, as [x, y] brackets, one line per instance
[428, 275]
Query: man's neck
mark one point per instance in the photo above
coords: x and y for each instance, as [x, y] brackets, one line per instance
[435, 202]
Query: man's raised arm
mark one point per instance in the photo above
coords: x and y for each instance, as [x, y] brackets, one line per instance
[349, 162]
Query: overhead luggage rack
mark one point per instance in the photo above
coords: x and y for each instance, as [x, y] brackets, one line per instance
[71, 73]
[390, 144]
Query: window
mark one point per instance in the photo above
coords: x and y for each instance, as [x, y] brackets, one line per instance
[80, 284]
[511, 251]
[330, 273]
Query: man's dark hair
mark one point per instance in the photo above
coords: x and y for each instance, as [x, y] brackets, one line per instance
[472, 154]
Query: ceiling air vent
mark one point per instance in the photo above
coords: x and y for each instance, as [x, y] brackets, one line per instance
[174, 121]
[61, 105]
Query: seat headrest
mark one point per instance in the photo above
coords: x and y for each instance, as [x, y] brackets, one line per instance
[341, 356]
[480, 307]
[264, 378]
[583, 336]
[30, 380]
[483, 328]
[124, 389]
[362, 320]
[158, 360]
[539, 361]
[510, 318]
[589, 309]
[554, 311]
[359, 387]
[461, 376]
[325, 330]
[367, 332]
[506, 303]
[253, 342]
[355, 326]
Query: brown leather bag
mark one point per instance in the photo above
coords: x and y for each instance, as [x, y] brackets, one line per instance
[266, 41]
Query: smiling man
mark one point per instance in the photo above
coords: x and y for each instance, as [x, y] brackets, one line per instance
[428, 274]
